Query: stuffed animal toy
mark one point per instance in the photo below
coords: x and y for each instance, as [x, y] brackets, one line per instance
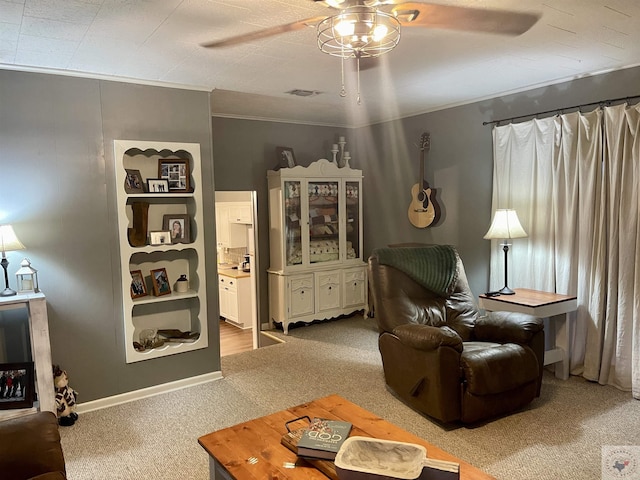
[65, 398]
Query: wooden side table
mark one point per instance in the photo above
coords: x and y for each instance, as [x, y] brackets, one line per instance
[540, 304]
[36, 305]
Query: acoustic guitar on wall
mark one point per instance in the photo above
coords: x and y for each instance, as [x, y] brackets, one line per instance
[423, 211]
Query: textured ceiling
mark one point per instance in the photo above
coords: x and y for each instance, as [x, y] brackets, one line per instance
[159, 41]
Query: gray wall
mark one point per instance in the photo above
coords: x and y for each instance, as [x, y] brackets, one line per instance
[56, 137]
[243, 151]
[58, 191]
[458, 165]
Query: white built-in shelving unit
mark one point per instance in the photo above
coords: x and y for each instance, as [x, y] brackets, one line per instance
[182, 311]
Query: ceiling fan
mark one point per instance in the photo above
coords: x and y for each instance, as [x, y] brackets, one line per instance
[405, 14]
[367, 29]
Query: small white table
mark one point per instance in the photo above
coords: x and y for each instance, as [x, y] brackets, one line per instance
[540, 304]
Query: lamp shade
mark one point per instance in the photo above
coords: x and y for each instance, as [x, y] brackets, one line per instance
[8, 239]
[505, 224]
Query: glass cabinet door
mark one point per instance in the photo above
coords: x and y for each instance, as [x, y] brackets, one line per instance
[324, 226]
[352, 196]
[292, 223]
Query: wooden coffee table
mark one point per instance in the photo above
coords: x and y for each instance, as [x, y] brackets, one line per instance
[231, 449]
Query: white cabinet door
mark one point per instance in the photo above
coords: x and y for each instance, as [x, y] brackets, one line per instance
[243, 302]
[328, 290]
[222, 222]
[355, 287]
[229, 234]
[240, 214]
[228, 298]
[301, 298]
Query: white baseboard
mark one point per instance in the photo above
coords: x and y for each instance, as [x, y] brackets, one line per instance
[272, 337]
[147, 392]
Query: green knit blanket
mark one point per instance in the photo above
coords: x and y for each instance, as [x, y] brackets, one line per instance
[433, 267]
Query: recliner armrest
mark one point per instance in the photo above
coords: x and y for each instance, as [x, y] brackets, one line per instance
[507, 327]
[425, 337]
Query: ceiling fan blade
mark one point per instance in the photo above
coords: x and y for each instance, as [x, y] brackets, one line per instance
[506, 22]
[267, 32]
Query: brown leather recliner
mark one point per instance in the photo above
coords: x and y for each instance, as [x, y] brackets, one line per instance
[438, 354]
[30, 448]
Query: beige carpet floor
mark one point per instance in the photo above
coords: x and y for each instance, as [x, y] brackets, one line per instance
[559, 436]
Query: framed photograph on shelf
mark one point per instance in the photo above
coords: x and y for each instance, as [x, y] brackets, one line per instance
[160, 238]
[16, 385]
[133, 181]
[286, 157]
[157, 185]
[138, 287]
[160, 282]
[178, 225]
[176, 172]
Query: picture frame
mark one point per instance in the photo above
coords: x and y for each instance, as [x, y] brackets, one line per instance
[138, 286]
[160, 282]
[162, 237]
[286, 157]
[179, 227]
[133, 181]
[157, 185]
[176, 172]
[20, 392]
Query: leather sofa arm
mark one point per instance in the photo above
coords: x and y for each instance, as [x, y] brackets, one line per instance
[507, 327]
[30, 448]
[425, 337]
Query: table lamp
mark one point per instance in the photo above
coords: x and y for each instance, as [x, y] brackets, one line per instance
[505, 225]
[8, 243]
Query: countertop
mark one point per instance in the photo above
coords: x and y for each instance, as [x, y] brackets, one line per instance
[232, 272]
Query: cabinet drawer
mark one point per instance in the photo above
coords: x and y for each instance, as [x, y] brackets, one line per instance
[301, 296]
[354, 287]
[228, 282]
[328, 291]
[354, 275]
[300, 283]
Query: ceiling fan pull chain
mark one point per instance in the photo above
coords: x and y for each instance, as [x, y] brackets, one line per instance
[358, 68]
[343, 92]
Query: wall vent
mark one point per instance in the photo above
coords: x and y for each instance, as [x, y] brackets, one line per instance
[303, 93]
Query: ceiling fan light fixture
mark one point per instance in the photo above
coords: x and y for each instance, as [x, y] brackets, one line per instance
[344, 28]
[379, 32]
[358, 32]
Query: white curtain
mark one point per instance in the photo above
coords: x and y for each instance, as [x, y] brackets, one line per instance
[573, 180]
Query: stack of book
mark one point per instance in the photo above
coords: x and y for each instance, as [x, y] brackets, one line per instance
[322, 438]
[318, 454]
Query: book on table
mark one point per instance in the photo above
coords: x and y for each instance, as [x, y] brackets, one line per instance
[323, 438]
[440, 470]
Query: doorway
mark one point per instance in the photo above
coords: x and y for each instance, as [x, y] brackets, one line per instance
[238, 265]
